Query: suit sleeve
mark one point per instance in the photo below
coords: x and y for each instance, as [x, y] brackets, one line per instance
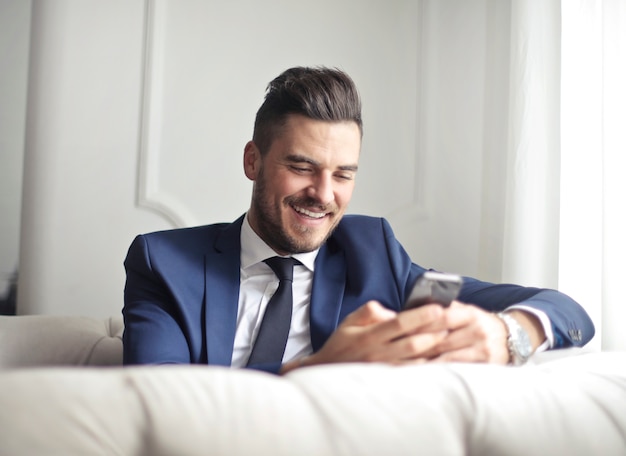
[570, 323]
[152, 334]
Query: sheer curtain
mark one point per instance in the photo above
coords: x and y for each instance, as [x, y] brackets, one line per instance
[593, 161]
[566, 185]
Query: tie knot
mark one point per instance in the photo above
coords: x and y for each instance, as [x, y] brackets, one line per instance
[282, 267]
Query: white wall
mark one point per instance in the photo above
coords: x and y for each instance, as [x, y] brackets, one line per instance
[463, 136]
[129, 131]
[80, 169]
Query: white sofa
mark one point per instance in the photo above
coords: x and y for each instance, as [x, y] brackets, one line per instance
[563, 403]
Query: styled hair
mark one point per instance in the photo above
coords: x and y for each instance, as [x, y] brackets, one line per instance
[318, 93]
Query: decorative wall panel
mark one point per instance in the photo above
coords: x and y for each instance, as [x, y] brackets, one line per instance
[206, 68]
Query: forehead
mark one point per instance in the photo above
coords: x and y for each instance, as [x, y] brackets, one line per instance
[335, 141]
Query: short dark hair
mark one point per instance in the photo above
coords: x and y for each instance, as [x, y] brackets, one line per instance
[319, 93]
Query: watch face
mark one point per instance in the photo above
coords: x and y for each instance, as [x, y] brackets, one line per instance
[523, 346]
[519, 344]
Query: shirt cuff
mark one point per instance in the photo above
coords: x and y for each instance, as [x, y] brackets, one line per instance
[545, 324]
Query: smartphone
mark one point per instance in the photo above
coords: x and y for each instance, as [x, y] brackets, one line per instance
[439, 287]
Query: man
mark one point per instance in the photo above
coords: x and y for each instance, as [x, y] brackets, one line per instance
[201, 295]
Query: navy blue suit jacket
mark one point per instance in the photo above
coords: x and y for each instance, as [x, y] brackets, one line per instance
[182, 290]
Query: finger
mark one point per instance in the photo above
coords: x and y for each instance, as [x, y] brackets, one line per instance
[473, 343]
[459, 314]
[415, 346]
[369, 313]
[407, 349]
[476, 353]
[452, 317]
[381, 341]
[465, 336]
[484, 324]
[373, 344]
[413, 322]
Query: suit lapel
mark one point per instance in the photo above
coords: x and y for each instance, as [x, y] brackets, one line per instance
[222, 276]
[329, 283]
[222, 265]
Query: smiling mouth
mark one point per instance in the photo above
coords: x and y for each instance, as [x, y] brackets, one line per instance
[308, 213]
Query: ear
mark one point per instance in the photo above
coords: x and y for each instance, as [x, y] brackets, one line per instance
[251, 160]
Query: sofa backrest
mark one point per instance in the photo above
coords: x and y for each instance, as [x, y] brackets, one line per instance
[50, 340]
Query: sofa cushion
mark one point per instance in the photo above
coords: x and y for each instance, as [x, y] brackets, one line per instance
[570, 406]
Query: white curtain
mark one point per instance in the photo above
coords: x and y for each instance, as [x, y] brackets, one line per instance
[593, 161]
[566, 186]
[530, 250]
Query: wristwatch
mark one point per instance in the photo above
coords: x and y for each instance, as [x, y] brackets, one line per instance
[518, 341]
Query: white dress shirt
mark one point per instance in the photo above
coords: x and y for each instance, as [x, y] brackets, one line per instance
[258, 283]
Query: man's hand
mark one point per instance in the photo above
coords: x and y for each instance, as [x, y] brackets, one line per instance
[475, 335]
[373, 333]
[430, 333]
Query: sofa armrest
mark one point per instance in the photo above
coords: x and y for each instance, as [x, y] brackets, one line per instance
[50, 340]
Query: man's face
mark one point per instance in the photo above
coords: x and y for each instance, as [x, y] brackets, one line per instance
[303, 185]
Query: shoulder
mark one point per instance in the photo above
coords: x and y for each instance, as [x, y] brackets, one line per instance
[358, 231]
[363, 226]
[362, 221]
[179, 238]
[197, 238]
[177, 234]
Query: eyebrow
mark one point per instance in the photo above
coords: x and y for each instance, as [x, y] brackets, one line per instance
[295, 158]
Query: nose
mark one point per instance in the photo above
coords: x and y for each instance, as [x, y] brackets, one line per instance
[322, 189]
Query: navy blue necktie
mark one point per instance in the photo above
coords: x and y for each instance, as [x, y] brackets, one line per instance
[270, 343]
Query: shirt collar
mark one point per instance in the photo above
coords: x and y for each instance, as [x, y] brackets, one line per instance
[254, 249]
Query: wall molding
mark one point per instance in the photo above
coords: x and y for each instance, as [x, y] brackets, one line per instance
[415, 210]
[149, 194]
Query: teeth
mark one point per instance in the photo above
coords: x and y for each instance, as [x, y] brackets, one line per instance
[309, 213]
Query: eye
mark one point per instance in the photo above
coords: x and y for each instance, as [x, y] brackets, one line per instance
[300, 169]
[345, 176]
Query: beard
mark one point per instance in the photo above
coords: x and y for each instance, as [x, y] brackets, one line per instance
[271, 227]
